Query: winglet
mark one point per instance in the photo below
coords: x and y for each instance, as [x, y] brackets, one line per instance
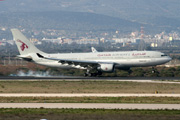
[93, 50]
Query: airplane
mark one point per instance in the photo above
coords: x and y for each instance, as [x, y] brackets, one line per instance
[95, 63]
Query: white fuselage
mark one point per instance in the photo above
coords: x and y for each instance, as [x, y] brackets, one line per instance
[101, 61]
[119, 59]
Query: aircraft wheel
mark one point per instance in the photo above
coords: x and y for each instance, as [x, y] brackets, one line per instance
[93, 74]
[99, 73]
[85, 74]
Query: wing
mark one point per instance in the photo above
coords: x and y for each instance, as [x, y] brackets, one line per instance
[82, 63]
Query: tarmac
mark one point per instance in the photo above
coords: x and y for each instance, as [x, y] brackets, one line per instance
[84, 95]
[92, 106]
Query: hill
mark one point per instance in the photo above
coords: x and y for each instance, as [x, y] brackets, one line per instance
[160, 15]
[140, 10]
[66, 21]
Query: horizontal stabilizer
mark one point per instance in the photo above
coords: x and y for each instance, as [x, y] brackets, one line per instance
[39, 55]
[25, 57]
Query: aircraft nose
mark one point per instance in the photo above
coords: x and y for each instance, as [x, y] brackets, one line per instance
[169, 59]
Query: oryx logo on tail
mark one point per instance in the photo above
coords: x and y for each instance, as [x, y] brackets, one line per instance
[23, 46]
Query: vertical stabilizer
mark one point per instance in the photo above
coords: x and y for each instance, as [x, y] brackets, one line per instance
[24, 45]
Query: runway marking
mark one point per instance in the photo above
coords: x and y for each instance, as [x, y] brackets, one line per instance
[85, 95]
[151, 81]
[91, 106]
[105, 79]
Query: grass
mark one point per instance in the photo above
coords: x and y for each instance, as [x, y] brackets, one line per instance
[87, 114]
[151, 100]
[86, 87]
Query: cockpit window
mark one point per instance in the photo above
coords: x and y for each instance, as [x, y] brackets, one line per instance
[163, 55]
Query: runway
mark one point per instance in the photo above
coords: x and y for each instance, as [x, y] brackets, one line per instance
[85, 78]
[85, 95]
[91, 106]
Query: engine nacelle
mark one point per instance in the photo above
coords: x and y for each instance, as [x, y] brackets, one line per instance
[106, 67]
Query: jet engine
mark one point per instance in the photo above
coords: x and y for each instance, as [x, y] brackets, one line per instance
[106, 67]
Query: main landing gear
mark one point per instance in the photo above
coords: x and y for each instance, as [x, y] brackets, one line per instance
[88, 73]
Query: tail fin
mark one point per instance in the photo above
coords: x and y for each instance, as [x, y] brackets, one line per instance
[24, 45]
